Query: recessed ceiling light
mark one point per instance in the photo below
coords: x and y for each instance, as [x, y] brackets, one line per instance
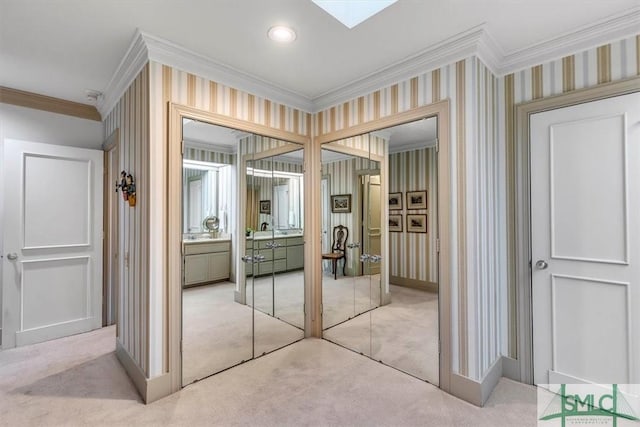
[282, 34]
[353, 12]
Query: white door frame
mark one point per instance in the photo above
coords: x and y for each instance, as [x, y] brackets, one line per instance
[111, 241]
[522, 205]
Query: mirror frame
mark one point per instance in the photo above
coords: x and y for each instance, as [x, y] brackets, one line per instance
[440, 110]
[172, 330]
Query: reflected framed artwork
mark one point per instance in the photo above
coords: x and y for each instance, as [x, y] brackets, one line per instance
[395, 223]
[395, 201]
[265, 206]
[417, 199]
[341, 203]
[417, 223]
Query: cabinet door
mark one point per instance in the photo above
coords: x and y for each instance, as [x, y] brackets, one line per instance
[196, 269]
[219, 266]
[295, 257]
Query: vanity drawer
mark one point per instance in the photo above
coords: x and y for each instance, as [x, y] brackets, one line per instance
[206, 247]
[272, 267]
[262, 244]
[269, 254]
[294, 241]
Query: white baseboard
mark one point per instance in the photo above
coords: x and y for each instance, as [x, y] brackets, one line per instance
[511, 368]
[473, 391]
[150, 389]
[413, 283]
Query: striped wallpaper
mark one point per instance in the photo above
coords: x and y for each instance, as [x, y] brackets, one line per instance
[209, 156]
[413, 255]
[610, 62]
[131, 116]
[258, 143]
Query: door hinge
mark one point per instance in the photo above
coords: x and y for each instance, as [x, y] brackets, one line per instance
[180, 346]
[304, 308]
[437, 145]
[321, 309]
[438, 245]
[182, 147]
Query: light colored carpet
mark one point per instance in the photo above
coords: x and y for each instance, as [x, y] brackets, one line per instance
[402, 334]
[77, 381]
[286, 290]
[346, 297]
[217, 331]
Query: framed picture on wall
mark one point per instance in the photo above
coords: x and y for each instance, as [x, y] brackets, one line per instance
[395, 201]
[417, 223]
[395, 223]
[341, 203]
[417, 199]
[265, 206]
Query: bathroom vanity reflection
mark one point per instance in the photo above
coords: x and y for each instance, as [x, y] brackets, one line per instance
[234, 311]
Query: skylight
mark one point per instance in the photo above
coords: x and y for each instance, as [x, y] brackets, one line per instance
[353, 12]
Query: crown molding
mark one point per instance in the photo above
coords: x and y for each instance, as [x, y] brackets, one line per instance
[37, 101]
[168, 53]
[614, 27]
[476, 41]
[207, 146]
[447, 52]
[132, 63]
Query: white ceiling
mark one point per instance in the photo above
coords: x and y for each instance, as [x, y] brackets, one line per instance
[60, 48]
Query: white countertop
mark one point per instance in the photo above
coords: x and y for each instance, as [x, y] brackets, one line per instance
[206, 240]
[269, 236]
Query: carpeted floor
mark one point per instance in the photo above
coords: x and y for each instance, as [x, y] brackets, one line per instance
[217, 331]
[402, 334]
[346, 297]
[77, 381]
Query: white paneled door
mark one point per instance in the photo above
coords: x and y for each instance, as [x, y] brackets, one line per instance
[52, 272]
[585, 225]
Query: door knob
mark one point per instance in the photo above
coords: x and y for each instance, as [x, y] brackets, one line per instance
[247, 259]
[541, 264]
[12, 256]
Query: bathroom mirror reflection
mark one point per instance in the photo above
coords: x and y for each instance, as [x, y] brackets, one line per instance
[385, 304]
[227, 317]
[274, 241]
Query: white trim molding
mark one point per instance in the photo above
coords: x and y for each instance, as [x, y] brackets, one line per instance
[150, 389]
[134, 60]
[477, 41]
[612, 28]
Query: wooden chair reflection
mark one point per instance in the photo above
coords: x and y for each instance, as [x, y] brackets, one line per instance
[338, 249]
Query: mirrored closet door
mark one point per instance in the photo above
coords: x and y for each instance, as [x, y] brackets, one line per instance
[242, 295]
[389, 308]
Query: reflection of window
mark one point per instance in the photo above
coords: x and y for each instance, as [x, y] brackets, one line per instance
[194, 206]
[202, 193]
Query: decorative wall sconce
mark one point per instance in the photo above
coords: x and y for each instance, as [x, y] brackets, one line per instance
[128, 188]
